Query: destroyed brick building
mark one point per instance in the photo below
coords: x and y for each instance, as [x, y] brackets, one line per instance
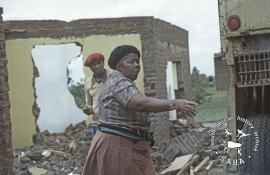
[221, 72]
[165, 62]
[5, 125]
[165, 74]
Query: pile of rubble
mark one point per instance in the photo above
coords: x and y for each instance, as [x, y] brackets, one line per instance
[55, 154]
[191, 150]
[65, 153]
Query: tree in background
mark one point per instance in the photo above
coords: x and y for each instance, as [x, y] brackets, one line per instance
[198, 88]
[211, 80]
[78, 92]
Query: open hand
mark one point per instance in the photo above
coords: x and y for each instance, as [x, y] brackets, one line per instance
[186, 107]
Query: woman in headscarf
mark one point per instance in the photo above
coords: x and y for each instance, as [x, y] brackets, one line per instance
[121, 145]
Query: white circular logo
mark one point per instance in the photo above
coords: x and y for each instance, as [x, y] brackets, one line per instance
[237, 143]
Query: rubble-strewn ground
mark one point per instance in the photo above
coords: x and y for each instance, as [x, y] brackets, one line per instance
[61, 153]
[65, 153]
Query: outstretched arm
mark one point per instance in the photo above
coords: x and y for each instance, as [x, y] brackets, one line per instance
[141, 103]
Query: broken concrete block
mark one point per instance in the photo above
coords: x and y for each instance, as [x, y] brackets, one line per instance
[24, 159]
[46, 153]
[36, 156]
[177, 164]
[37, 171]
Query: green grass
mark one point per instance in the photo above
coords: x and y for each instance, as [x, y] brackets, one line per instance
[215, 108]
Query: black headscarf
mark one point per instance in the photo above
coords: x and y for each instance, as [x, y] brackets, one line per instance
[119, 52]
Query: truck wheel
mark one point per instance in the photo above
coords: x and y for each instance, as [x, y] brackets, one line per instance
[256, 162]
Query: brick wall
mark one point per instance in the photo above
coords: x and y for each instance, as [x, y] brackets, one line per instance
[221, 73]
[165, 37]
[5, 125]
[156, 35]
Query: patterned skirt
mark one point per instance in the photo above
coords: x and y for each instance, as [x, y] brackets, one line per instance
[115, 155]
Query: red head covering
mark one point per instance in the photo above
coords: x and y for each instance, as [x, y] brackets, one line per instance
[94, 57]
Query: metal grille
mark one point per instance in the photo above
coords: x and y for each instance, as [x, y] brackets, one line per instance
[252, 69]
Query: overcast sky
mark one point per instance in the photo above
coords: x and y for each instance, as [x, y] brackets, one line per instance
[199, 17]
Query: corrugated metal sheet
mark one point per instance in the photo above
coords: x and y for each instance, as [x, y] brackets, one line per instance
[187, 143]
